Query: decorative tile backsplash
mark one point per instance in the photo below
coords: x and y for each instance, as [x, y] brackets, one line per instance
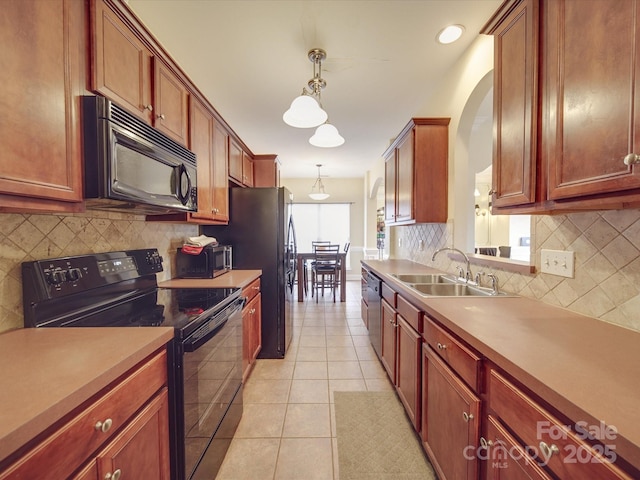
[607, 261]
[33, 237]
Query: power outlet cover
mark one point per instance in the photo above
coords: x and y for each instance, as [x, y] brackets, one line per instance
[558, 262]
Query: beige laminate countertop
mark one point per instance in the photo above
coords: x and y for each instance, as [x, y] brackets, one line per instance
[47, 372]
[231, 279]
[584, 367]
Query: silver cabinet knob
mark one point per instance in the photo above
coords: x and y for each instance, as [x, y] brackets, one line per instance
[149, 107]
[548, 450]
[632, 159]
[113, 476]
[467, 416]
[104, 426]
[161, 116]
[484, 443]
[441, 346]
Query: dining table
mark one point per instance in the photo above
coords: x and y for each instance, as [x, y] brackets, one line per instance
[302, 259]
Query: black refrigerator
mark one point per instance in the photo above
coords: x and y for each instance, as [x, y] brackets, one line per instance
[262, 235]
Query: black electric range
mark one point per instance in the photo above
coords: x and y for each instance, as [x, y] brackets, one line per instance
[119, 289]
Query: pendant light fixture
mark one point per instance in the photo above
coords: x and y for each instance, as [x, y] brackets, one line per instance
[306, 110]
[317, 191]
[326, 136]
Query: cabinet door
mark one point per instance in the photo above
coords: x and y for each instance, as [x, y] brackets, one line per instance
[235, 161]
[390, 188]
[170, 102]
[453, 421]
[404, 193]
[121, 63]
[408, 378]
[42, 76]
[388, 332]
[201, 143]
[142, 448]
[220, 173]
[515, 107]
[247, 170]
[592, 84]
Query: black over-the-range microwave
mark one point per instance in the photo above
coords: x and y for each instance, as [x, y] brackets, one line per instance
[131, 166]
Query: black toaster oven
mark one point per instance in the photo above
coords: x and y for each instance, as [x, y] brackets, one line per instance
[211, 261]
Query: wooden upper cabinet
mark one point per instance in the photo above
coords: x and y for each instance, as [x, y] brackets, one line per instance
[266, 171]
[390, 188]
[416, 174]
[171, 101]
[515, 103]
[121, 62]
[592, 86]
[126, 71]
[220, 173]
[235, 161]
[247, 170]
[404, 172]
[202, 134]
[42, 77]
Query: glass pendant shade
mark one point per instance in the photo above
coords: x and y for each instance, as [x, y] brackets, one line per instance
[326, 136]
[317, 191]
[304, 112]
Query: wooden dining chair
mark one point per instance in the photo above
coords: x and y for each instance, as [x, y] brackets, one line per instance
[325, 270]
[314, 243]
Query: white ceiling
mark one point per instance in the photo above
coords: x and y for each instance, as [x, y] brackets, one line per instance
[249, 58]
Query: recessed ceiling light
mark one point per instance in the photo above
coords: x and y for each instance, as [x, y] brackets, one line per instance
[450, 34]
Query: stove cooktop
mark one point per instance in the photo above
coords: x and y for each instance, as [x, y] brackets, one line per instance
[114, 289]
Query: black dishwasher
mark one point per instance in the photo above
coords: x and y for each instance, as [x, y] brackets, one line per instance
[374, 314]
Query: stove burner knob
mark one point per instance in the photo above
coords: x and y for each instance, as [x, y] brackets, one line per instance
[74, 274]
[58, 276]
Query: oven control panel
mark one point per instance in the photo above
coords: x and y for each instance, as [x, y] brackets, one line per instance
[58, 277]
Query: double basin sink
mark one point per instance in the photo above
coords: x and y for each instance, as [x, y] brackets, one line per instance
[443, 285]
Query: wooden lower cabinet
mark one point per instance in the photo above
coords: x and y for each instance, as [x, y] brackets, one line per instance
[450, 420]
[567, 455]
[409, 348]
[388, 330]
[251, 327]
[142, 449]
[126, 427]
[504, 458]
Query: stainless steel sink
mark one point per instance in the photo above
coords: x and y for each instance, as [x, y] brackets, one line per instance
[452, 290]
[425, 278]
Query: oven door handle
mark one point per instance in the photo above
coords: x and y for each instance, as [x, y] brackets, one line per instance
[203, 334]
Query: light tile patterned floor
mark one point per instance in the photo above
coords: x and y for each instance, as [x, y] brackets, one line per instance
[288, 430]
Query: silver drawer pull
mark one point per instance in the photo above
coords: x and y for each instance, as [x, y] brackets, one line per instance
[632, 159]
[441, 346]
[548, 450]
[104, 426]
[113, 476]
[467, 416]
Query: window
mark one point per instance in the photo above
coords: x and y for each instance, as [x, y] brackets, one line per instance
[321, 221]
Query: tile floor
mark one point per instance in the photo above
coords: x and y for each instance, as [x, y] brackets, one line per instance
[288, 430]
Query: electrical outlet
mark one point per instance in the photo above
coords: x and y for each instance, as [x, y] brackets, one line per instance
[399, 241]
[421, 245]
[558, 262]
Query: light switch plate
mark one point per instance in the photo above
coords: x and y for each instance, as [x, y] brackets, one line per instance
[558, 262]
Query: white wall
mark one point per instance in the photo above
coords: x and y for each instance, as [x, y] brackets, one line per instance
[459, 95]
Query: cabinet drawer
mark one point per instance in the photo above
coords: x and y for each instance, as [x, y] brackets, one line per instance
[80, 437]
[557, 446]
[506, 458]
[251, 290]
[389, 295]
[411, 314]
[460, 358]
